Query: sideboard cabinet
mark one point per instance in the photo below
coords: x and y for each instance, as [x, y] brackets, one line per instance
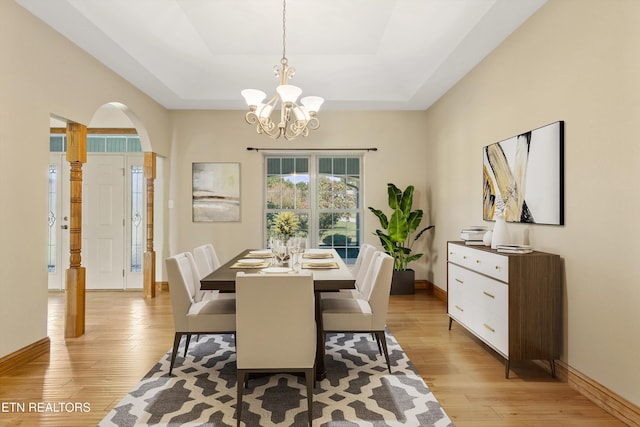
[512, 302]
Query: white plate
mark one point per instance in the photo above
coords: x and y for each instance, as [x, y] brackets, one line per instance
[261, 252]
[250, 261]
[320, 261]
[318, 255]
[276, 270]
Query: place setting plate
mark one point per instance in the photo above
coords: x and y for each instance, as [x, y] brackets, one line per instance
[320, 263]
[317, 255]
[277, 270]
[250, 263]
[260, 253]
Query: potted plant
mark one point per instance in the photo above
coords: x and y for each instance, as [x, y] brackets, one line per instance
[400, 232]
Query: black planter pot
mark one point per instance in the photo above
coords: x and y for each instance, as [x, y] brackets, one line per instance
[403, 282]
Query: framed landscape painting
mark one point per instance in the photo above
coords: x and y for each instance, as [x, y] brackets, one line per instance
[524, 177]
[216, 192]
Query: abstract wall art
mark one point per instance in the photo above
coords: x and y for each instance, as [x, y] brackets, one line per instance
[524, 177]
[216, 192]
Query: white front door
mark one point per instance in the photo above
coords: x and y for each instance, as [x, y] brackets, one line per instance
[103, 224]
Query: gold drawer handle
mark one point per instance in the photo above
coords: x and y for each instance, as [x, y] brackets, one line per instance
[460, 308]
[497, 267]
[459, 281]
[489, 328]
[464, 257]
[488, 294]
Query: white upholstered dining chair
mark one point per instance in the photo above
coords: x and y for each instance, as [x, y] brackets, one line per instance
[206, 261]
[363, 263]
[365, 249]
[206, 258]
[276, 328]
[210, 316]
[367, 313]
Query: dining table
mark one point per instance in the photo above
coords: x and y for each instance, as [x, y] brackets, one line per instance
[330, 274]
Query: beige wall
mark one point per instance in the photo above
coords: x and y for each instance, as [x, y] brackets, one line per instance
[41, 73]
[577, 61]
[223, 136]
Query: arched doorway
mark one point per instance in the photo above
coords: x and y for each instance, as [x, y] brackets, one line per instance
[113, 213]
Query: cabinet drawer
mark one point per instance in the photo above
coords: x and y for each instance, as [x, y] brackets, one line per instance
[492, 297]
[460, 304]
[489, 263]
[495, 332]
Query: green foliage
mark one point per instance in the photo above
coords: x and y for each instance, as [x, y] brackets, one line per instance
[398, 232]
[286, 224]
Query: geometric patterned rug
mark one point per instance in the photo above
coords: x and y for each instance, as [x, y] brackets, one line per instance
[357, 391]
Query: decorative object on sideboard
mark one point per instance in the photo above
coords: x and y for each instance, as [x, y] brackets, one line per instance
[295, 120]
[473, 236]
[488, 236]
[399, 235]
[514, 249]
[500, 232]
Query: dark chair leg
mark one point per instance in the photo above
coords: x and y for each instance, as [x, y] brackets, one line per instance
[383, 340]
[176, 343]
[310, 377]
[241, 378]
[186, 344]
[378, 342]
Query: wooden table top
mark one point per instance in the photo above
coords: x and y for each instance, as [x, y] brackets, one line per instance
[324, 279]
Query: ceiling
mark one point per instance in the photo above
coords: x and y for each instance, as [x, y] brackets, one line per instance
[357, 54]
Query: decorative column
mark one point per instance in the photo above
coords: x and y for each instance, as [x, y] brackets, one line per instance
[75, 274]
[149, 275]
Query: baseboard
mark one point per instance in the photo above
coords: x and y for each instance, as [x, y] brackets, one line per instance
[162, 286]
[439, 293]
[606, 399]
[25, 355]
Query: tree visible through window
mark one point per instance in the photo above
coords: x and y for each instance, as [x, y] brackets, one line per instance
[324, 192]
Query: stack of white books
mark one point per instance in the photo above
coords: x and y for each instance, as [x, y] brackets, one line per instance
[473, 235]
[514, 249]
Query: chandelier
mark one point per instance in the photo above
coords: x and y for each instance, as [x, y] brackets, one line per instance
[295, 119]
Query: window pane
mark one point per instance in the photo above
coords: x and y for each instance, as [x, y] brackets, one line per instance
[56, 143]
[287, 185]
[116, 144]
[137, 231]
[96, 144]
[133, 145]
[52, 220]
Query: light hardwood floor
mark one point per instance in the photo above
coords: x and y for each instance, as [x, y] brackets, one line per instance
[126, 335]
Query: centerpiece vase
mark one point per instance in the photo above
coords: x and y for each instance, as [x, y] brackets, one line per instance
[500, 233]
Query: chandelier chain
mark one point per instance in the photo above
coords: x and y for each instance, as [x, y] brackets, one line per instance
[284, 31]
